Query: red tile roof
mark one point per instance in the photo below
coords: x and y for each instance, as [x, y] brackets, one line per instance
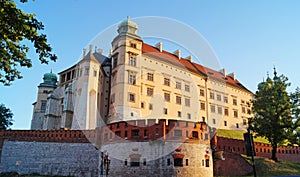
[191, 66]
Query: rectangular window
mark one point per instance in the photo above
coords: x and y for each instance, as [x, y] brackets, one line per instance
[248, 111]
[235, 113]
[86, 71]
[168, 162]
[178, 99]
[179, 113]
[149, 91]
[132, 78]
[115, 62]
[167, 97]
[188, 115]
[237, 125]
[186, 162]
[243, 109]
[187, 102]
[135, 162]
[43, 105]
[225, 123]
[234, 101]
[212, 108]
[187, 88]
[225, 98]
[150, 106]
[178, 133]
[142, 104]
[207, 163]
[134, 133]
[219, 98]
[167, 81]
[219, 110]
[202, 106]
[165, 111]
[226, 112]
[202, 92]
[214, 121]
[132, 60]
[195, 134]
[150, 77]
[178, 162]
[212, 95]
[244, 122]
[178, 85]
[131, 97]
[133, 45]
[95, 73]
[145, 133]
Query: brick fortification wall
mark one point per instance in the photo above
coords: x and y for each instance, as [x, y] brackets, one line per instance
[231, 150]
[284, 153]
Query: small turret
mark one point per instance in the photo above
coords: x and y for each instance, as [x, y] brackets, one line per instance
[128, 27]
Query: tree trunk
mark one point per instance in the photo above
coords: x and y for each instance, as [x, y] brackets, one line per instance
[274, 150]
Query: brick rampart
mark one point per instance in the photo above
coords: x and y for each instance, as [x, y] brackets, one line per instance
[262, 149]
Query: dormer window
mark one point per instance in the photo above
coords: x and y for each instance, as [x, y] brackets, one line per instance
[133, 45]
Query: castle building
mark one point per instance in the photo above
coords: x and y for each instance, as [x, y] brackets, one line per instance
[152, 111]
[139, 82]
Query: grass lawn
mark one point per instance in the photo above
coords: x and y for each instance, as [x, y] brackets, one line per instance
[236, 134]
[266, 167]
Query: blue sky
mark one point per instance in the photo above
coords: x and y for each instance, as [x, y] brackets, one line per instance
[248, 37]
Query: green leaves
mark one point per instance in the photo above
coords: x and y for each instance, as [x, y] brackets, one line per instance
[16, 27]
[275, 111]
[5, 117]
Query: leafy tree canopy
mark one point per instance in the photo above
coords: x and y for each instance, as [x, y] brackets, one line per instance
[16, 27]
[5, 117]
[274, 111]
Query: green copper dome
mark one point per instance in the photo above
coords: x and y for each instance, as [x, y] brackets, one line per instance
[50, 80]
[128, 27]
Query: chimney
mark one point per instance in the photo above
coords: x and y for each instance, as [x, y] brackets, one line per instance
[177, 53]
[223, 71]
[91, 49]
[84, 53]
[159, 46]
[189, 58]
[232, 75]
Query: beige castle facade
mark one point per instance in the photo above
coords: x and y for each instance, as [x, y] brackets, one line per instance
[140, 81]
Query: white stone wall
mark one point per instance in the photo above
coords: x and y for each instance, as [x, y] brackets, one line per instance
[67, 159]
[156, 154]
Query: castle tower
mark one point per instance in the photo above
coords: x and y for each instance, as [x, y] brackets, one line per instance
[125, 85]
[39, 107]
[88, 92]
